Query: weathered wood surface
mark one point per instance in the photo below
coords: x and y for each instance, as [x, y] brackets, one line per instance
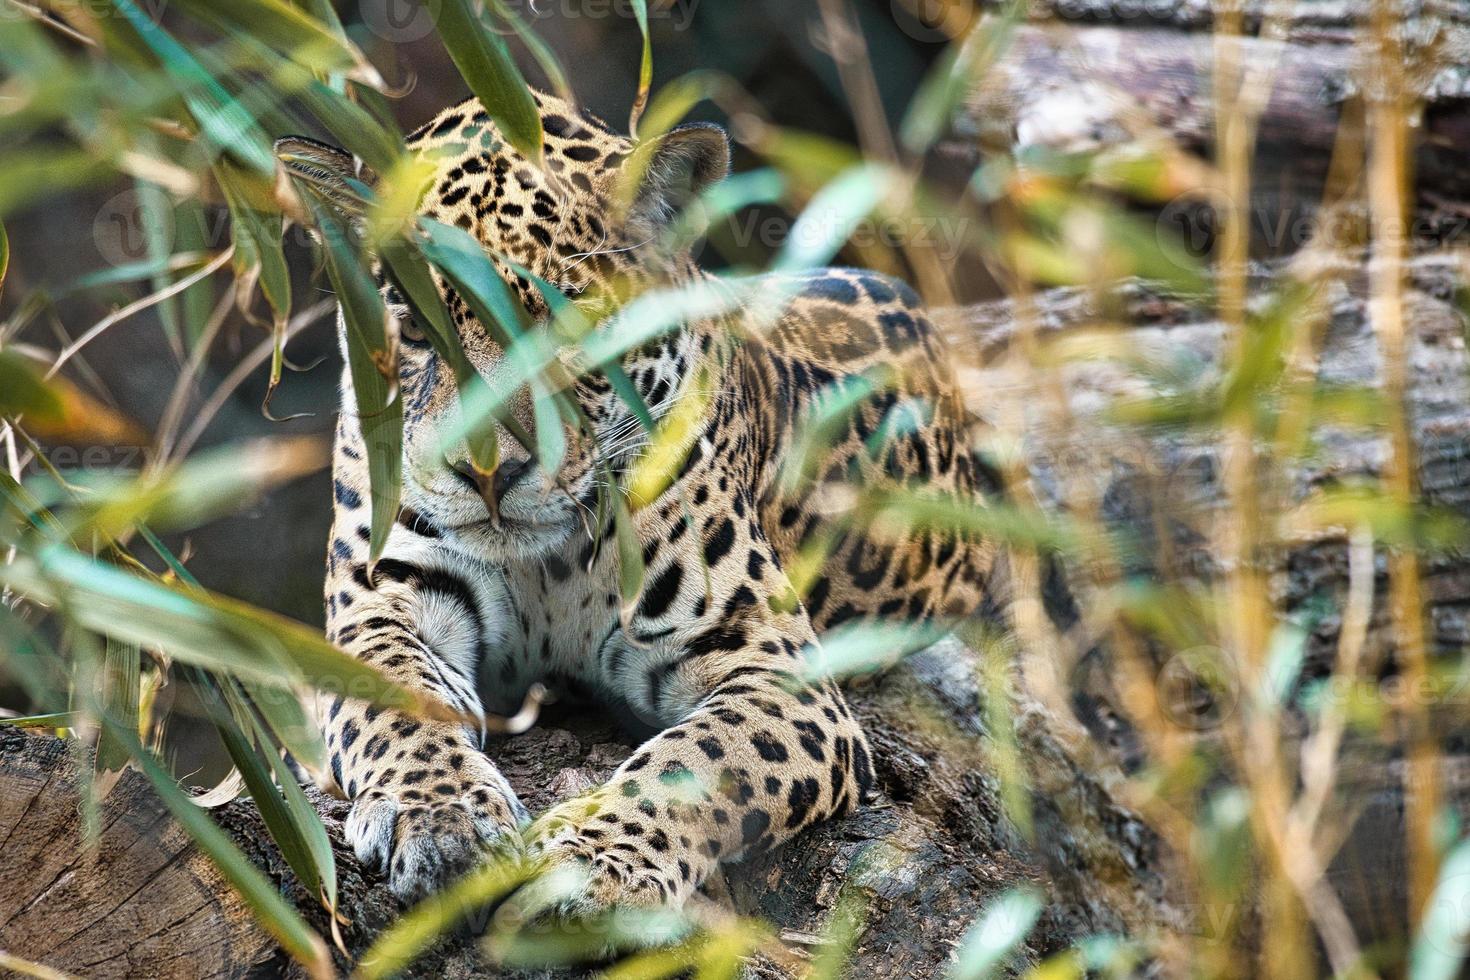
[1081, 85]
[920, 866]
[1304, 21]
[1143, 479]
[143, 903]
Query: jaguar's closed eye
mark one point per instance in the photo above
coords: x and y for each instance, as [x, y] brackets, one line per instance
[409, 329]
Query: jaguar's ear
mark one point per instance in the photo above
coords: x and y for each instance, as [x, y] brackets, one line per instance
[675, 168]
[338, 176]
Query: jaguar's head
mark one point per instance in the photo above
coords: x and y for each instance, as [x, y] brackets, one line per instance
[594, 220]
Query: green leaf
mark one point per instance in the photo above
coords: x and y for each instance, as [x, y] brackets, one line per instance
[249, 750]
[486, 65]
[421, 926]
[630, 554]
[868, 648]
[469, 269]
[31, 661]
[120, 680]
[256, 226]
[56, 719]
[56, 409]
[258, 255]
[374, 372]
[202, 488]
[545, 58]
[380, 146]
[33, 173]
[954, 77]
[24, 391]
[210, 631]
[1001, 928]
[272, 911]
[299, 36]
[1444, 932]
[309, 824]
[223, 122]
[287, 720]
[407, 268]
[832, 215]
[4, 256]
[645, 65]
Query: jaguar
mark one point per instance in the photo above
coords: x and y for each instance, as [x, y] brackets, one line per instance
[756, 549]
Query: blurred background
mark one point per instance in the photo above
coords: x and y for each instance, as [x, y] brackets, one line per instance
[1249, 443]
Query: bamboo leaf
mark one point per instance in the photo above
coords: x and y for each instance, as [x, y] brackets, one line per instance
[223, 120]
[210, 631]
[421, 926]
[4, 256]
[655, 470]
[1439, 948]
[56, 409]
[119, 699]
[463, 261]
[486, 65]
[202, 488]
[287, 720]
[832, 215]
[298, 35]
[373, 366]
[272, 911]
[630, 555]
[409, 271]
[248, 755]
[256, 229]
[313, 832]
[645, 66]
[1001, 928]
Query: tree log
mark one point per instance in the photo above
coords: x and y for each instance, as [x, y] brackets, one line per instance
[920, 865]
[1076, 86]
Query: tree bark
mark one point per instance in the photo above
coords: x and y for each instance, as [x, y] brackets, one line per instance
[920, 865]
[1105, 76]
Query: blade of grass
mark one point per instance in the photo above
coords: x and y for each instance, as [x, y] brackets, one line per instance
[230, 637]
[645, 67]
[374, 372]
[487, 67]
[270, 909]
[119, 700]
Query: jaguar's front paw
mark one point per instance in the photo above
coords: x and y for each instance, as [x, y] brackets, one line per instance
[426, 833]
[598, 858]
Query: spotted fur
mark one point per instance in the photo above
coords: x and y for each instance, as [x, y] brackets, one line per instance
[475, 607]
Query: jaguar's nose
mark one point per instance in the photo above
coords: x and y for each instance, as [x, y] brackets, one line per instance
[492, 486]
[508, 474]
